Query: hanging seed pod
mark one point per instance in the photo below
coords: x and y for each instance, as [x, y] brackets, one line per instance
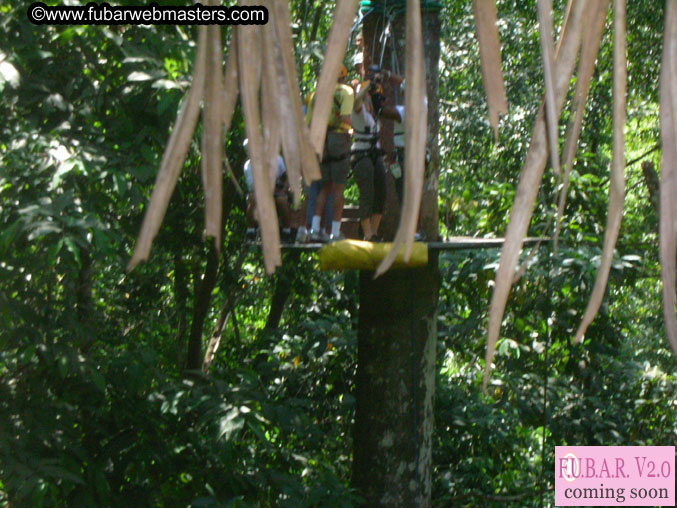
[529, 182]
[490, 60]
[617, 178]
[415, 128]
[174, 156]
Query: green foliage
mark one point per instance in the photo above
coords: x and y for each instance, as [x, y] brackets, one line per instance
[95, 408]
[488, 448]
[114, 430]
[598, 393]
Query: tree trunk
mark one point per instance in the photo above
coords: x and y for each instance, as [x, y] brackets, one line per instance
[203, 297]
[652, 184]
[180, 306]
[395, 385]
[283, 289]
[429, 219]
[203, 289]
[397, 335]
[232, 292]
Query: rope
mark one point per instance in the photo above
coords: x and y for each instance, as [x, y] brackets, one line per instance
[376, 31]
[388, 10]
[385, 37]
[360, 17]
[395, 67]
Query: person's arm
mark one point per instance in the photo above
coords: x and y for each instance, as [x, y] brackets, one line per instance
[345, 122]
[347, 103]
[394, 79]
[359, 96]
[390, 113]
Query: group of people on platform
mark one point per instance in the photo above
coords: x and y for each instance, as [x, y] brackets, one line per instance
[354, 141]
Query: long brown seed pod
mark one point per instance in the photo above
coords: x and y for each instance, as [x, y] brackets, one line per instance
[415, 128]
[174, 156]
[490, 60]
[528, 185]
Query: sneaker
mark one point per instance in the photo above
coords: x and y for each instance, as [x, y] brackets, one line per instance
[317, 236]
[419, 236]
[375, 239]
[301, 235]
[337, 238]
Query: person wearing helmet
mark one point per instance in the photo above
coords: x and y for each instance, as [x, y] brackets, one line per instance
[281, 193]
[335, 164]
[366, 159]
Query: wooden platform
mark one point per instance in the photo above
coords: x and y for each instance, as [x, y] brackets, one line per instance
[453, 243]
[469, 242]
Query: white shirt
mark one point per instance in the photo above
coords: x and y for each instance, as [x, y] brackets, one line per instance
[364, 129]
[249, 178]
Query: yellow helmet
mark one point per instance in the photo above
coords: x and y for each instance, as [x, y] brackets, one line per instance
[343, 72]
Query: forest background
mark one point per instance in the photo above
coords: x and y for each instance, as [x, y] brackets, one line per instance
[96, 407]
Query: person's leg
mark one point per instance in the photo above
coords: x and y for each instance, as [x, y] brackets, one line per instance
[319, 205]
[250, 215]
[283, 212]
[379, 193]
[363, 170]
[340, 170]
[375, 222]
[367, 230]
[251, 218]
[337, 192]
[338, 151]
[321, 200]
[328, 211]
[399, 182]
[313, 191]
[399, 189]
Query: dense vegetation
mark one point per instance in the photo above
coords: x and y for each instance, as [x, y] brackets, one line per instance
[96, 408]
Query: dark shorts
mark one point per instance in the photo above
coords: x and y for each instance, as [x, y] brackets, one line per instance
[335, 164]
[370, 176]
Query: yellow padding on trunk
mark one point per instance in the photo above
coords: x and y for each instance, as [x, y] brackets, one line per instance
[358, 255]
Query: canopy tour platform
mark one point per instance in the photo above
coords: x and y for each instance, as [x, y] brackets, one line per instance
[361, 255]
[451, 243]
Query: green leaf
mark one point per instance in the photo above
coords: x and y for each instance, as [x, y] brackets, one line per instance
[9, 74]
[72, 248]
[7, 236]
[230, 424]
[62, 366]
[98, 380]
[166, 84]
[44, 228]
[139, 76]
[61, 474]
[54, 252]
